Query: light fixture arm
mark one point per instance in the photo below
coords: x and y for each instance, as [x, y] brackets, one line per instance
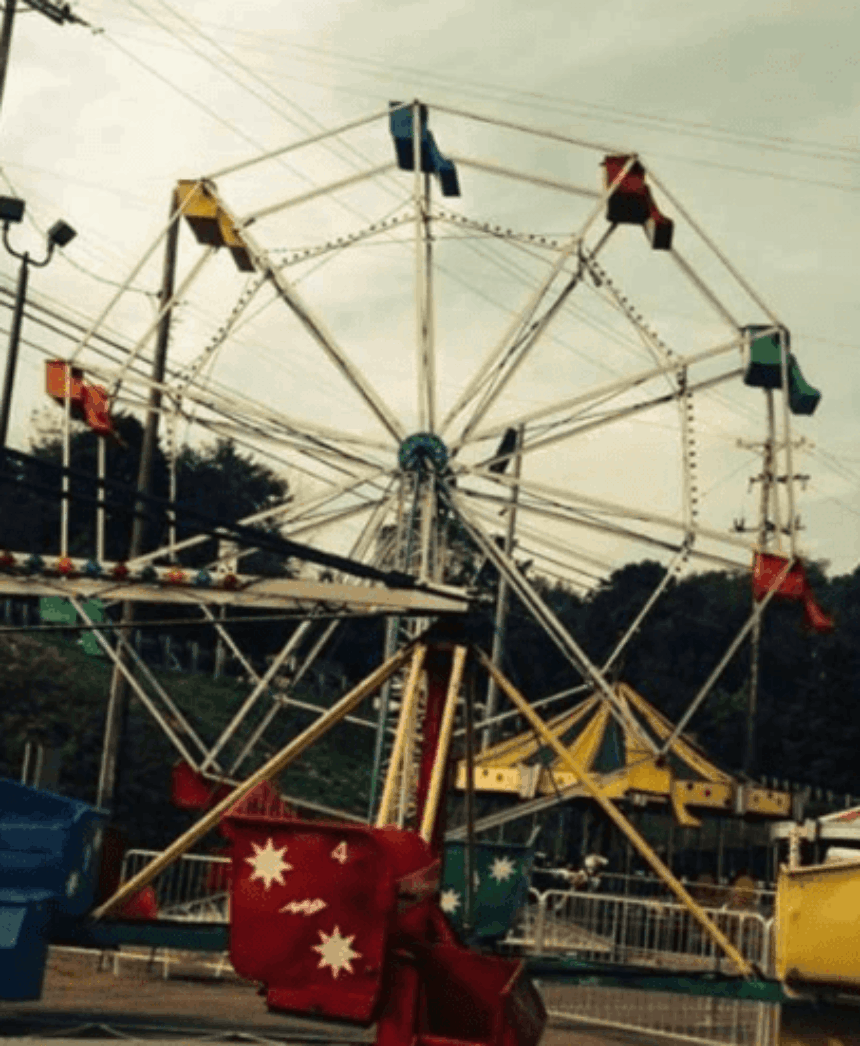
[26, 258]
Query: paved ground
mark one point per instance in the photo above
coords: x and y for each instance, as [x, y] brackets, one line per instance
[192, 1005]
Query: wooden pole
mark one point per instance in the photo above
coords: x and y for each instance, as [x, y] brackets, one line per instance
[117, 712]
[615, 815]
[275, 765]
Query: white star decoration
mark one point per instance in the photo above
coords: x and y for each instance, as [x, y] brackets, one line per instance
[268, 864]
[449, 901]
[503, 868]
[336, 952]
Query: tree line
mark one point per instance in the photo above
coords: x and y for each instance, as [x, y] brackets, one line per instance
[807, 730]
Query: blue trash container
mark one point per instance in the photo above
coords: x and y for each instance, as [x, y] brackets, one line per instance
[49, 842]
[25, 918]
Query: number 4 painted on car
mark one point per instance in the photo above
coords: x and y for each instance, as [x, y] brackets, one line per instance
[340, 853]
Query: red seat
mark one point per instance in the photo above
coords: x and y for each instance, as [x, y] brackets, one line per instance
[448, 995]
[315, 905]
[631, 203]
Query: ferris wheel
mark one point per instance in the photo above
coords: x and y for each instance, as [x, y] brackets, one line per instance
[522, 344]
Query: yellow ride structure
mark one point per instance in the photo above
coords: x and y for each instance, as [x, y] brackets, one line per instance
[624, 753]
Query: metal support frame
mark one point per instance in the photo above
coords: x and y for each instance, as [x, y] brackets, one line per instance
[122, 669]
[358, 550]
[550, 623]
[279, 762]
[610, 389]
[519, 327]
[425, 332]
[501, 617]
[259, 689]
[615, 815]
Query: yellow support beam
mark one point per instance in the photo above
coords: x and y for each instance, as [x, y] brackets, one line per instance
[446, 729]
[663, 729]
[407, 712]
[593, 787]
[515, 750]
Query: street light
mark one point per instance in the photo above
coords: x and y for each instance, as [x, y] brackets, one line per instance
[60, 234]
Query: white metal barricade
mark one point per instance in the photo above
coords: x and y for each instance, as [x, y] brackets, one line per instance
[195, 888]
[704, 1020]
[635, 930]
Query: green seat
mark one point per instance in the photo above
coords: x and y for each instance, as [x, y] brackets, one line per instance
[762, 363]
[802, 397]
[763, 369]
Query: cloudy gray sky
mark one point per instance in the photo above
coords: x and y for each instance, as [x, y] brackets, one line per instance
[747, 111]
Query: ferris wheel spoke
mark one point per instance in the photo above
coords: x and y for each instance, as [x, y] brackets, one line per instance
[206, 396]
[608, 390]
[610, 508]
[318, 331]
[517, 329]
[545, 540]
[310, 446]
[553, 627]
[530, 331]
[520, 337]
[289, 508]
[553, 511]
[570, 428]
[307, 529]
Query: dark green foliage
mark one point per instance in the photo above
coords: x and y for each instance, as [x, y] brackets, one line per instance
[808, 726]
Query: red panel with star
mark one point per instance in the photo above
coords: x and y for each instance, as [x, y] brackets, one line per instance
[311, 910]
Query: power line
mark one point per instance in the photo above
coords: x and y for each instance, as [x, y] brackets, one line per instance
[535, 99]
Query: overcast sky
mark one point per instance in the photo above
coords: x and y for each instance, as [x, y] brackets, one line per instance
[749, 112]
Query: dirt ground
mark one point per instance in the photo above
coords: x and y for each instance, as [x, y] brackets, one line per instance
[139, 1001]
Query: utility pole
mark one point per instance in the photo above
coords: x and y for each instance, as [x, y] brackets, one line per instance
[59, 13]
[767, 478]
[117, 713]
[768, 529]
[6, 42]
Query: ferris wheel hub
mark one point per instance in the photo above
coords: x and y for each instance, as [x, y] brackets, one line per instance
[423, 452]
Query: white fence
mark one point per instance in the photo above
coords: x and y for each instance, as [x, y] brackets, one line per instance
[703, 1020]
[709, 895]
[636, 930]
[195, 888]
[642, 931]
